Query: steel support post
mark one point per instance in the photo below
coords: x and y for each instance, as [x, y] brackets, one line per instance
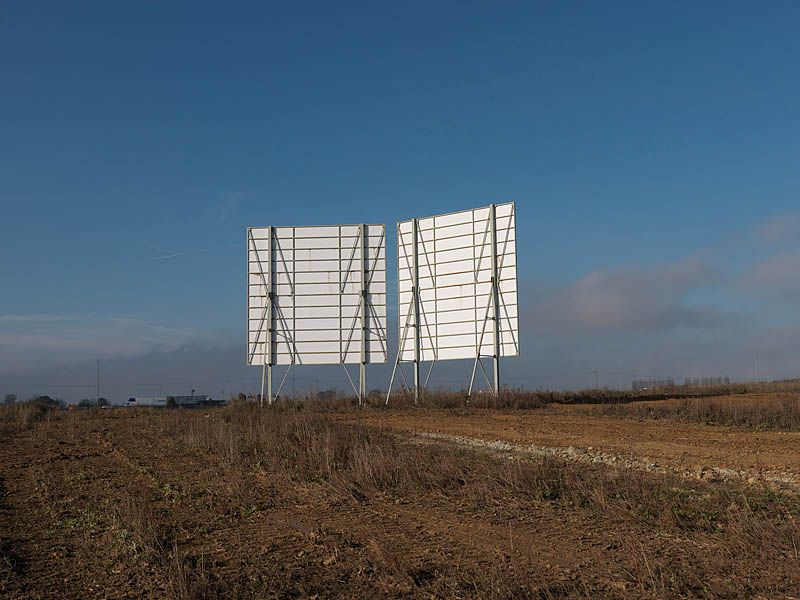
[415, 299]
[362, 372]
[495, 300]
[270, 316]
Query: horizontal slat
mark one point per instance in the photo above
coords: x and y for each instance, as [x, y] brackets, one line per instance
[281, 346]
[501, 210]
[258, 301]
[505, 241]
[315, 353]
[317, 266]
[466, 292]
[320, 277]
[316, 231]
[327, 231]
[287, 254]
[288, 327]
[317, 312]
[351, 358]
[457, 353]
[456, 274]
[316, 289]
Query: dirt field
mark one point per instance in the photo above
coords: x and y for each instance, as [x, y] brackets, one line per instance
[686, 449]
[235, 502]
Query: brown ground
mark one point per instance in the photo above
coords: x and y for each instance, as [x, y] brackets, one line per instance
[682, 446]
[123, 504]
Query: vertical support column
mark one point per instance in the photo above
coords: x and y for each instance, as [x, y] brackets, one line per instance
[415, 298]
[362, 372]
[251, 245]
[267, 367]
[495, 300]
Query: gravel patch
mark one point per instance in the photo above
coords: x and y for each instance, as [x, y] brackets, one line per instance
[776, 480]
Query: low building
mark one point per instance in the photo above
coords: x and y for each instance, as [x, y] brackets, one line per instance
[652, 383]
[173, 401]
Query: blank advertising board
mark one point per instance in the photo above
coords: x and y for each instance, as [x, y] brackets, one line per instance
[316, 295]
[450, 257]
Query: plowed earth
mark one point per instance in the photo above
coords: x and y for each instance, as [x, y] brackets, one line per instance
[686, 449]
[71, 485]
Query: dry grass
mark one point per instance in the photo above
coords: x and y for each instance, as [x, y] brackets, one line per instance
[20, 416]
[152, 543]
[757, 413]
[675, 538]
[521, 399]
[356, 460]
[357, 463]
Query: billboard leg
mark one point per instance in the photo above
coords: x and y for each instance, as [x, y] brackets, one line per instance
[495, 300]
[497, 376]
[416, 382]
[391, 379]
[401, 344]
[472, 377]
[261, 396]
[362, 384]
[269, 384]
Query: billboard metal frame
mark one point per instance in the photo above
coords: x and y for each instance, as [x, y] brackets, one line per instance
[272, 312]
[415, 322]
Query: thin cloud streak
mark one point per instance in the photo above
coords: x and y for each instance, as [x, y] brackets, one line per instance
[33, 318]
[192, 251]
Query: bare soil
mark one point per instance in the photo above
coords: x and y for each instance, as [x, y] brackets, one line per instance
[194, 504]
[683, 447]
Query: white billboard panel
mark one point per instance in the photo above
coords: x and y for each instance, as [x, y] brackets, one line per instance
[316, 277]
[452, 261]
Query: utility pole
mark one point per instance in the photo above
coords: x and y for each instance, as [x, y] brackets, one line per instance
[98, 382]
[595, 378]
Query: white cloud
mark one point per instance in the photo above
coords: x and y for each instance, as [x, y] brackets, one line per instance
[779, 273]
[36, 340]
[780, 229]
[633, 298]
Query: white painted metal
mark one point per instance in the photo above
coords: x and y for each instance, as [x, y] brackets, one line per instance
[309, 289]
[457, 282]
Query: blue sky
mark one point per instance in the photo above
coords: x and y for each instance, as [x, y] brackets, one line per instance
[652, 149]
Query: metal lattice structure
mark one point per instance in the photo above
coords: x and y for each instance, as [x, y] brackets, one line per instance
[316, 295]
[457, 290]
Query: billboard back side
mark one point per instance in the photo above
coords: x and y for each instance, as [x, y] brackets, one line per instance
[316, 276]
[454, 274]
